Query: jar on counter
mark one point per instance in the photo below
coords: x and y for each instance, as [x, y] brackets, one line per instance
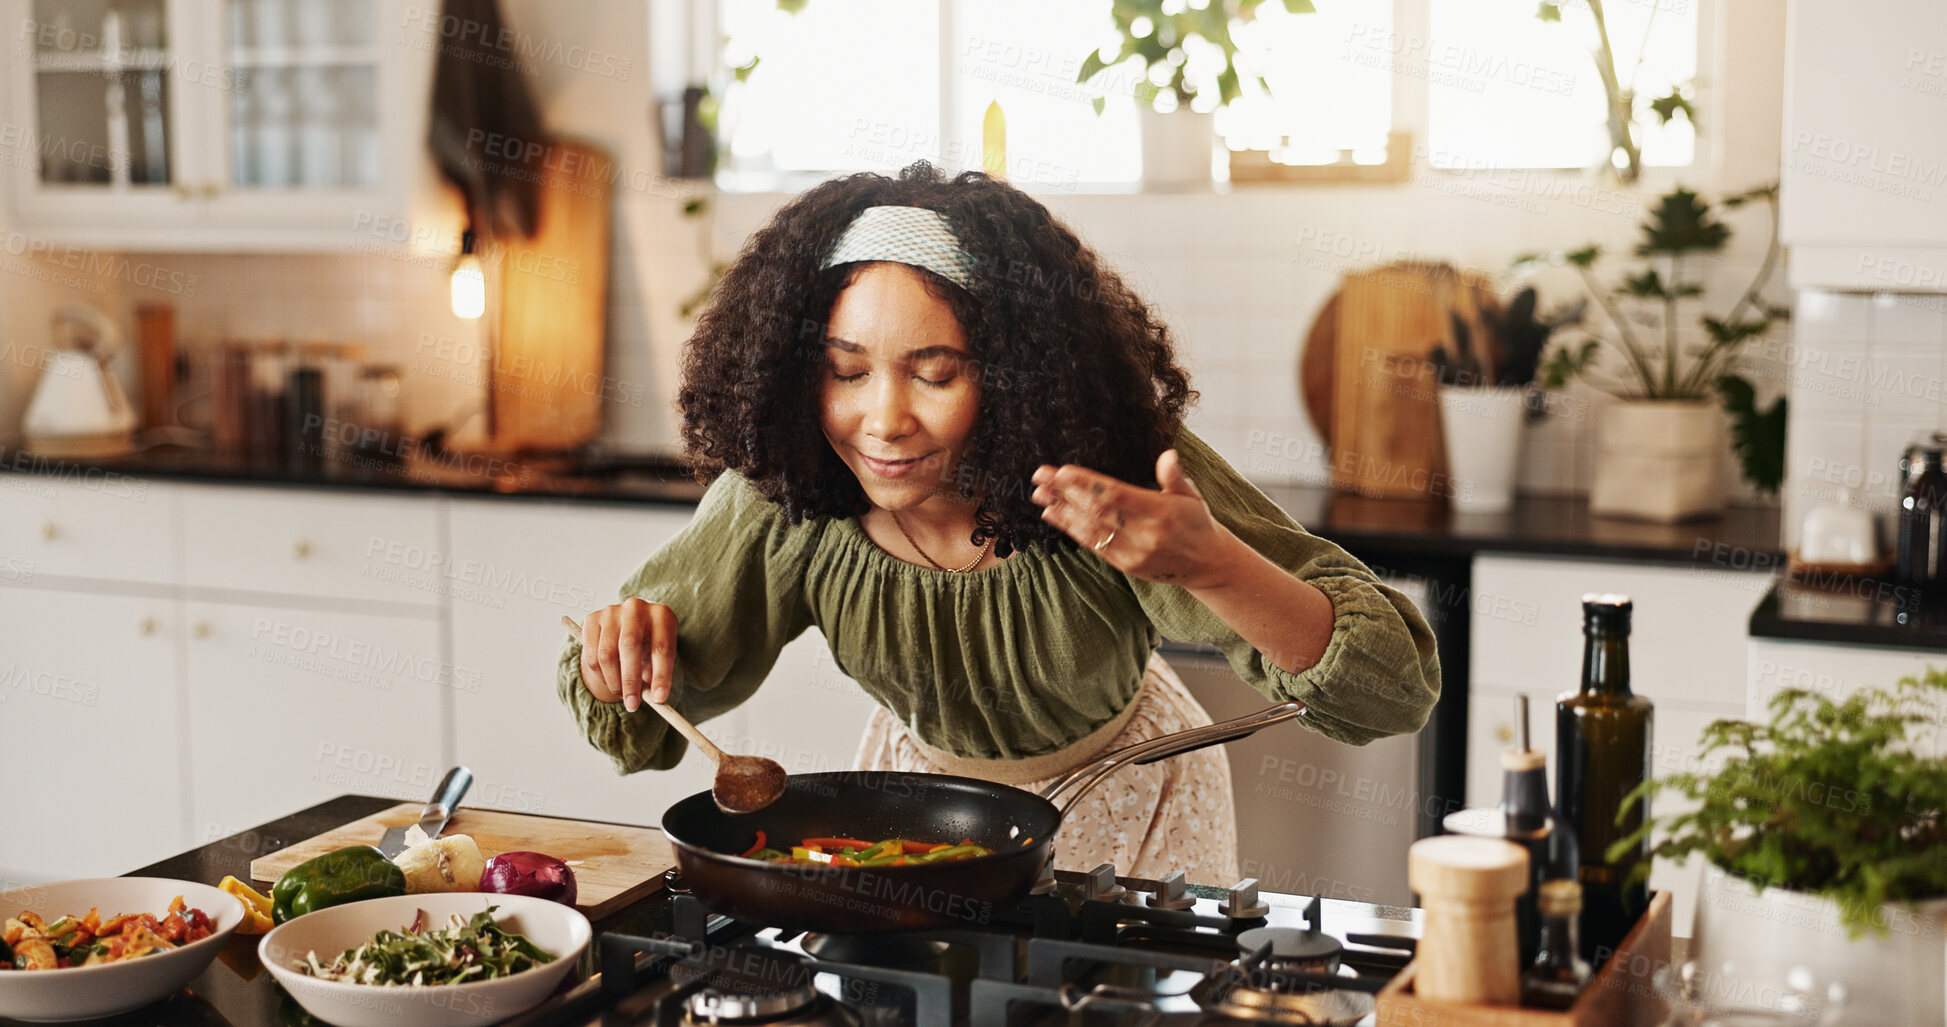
[379, 417]
[304, 409]
[264, 443]
[230, 402]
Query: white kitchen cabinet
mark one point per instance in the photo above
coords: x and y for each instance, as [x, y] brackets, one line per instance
[351, 546]
[1688, 627]
[525, 750]
[216, 124]
[1689, 630]
[90, 722]
[92, 525]
[289, 707]
[1836, 671]
[1864, 176]
[516, 568]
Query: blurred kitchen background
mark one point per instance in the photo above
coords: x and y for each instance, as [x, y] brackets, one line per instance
[462, 244]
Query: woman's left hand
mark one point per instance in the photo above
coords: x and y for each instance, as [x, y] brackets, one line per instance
[1165, 535]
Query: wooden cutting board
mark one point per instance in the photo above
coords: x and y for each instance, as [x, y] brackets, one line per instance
[547, 377]
[614, 864]
[1384, 415]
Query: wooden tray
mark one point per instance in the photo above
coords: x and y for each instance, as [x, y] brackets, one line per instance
[1621, 992]
[614, 864]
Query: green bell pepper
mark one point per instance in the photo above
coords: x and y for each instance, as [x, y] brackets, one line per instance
[350, 874]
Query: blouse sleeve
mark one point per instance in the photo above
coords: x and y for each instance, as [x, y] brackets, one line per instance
[1379, 675]
[734, 576]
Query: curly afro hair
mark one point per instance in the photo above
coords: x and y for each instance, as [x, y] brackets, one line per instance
[1073, 366]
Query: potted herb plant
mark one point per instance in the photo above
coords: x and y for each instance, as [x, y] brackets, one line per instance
[1487, 392]
[1825, 834]
[1660, 452]
[1177, 141]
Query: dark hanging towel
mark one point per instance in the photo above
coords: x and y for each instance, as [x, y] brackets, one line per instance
[486, 133]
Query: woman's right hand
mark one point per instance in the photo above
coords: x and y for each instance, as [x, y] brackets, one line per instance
[626, 647]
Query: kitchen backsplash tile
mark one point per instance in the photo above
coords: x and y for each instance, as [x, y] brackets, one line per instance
[1238, 276]
[1865, 373]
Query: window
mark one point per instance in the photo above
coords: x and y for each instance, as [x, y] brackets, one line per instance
[1505, 89]
[830, 94]
[876, 84]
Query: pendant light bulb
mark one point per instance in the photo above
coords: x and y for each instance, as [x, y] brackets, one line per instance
[469, 284]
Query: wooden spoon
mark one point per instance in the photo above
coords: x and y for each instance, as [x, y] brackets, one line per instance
[744, 784]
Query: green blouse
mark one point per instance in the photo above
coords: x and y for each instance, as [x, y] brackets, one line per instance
[1015, 660]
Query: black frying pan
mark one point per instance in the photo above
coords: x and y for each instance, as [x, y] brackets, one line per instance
[1018, 825]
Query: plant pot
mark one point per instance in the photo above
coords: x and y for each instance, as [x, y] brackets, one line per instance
[1749, 937]
[1178, 150]
[1482, 425]
[1659, 460]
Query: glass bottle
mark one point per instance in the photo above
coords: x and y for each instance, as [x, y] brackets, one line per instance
[1558, 972]
[1526, 821]
[1602, 749]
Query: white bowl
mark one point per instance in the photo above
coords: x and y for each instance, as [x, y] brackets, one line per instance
[555, 928]
[86, 992]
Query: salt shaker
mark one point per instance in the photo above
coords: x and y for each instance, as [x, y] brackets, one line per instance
[1468, 951]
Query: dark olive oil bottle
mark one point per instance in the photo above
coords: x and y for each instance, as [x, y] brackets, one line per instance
[1602, 749]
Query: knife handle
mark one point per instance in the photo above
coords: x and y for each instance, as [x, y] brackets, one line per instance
[451, 788]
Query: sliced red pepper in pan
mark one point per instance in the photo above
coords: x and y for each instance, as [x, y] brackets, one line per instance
[757, 845]
[836, 843]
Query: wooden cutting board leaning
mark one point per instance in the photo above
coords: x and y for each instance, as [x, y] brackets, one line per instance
[1366, 381]
[614, 864]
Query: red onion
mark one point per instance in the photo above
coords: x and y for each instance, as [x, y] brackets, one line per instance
[530, 873]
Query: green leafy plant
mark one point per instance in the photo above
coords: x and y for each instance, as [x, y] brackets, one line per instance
[1159, 37]
[1626, 155]
[1680, 231]
[1826, 799]
[1519, 334]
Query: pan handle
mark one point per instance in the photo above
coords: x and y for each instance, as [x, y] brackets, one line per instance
[1069, 788]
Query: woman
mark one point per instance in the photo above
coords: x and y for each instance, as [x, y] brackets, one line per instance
[943, 433]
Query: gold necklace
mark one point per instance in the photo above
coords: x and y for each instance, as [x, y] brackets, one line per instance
[975, 562]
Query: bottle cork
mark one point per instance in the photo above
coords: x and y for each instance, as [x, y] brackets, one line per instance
[1468, 950]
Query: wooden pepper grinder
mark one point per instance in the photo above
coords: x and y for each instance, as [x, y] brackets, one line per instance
[1468, 951]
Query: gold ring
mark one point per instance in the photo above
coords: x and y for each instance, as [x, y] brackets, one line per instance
[1106, 539]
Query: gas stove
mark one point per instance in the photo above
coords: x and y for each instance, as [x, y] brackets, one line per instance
[1089, 949]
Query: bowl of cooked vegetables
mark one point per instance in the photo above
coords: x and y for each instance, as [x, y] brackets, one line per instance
[77, 950]
[432, 960]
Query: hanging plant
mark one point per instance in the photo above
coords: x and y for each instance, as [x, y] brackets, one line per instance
[1625, 153]
[1157, 31]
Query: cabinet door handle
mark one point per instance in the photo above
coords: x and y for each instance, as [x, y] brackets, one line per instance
[150, 625]
[50, 531]
[184, 192]
[302, 550]
[203, 629]
[211, 189]
[1504, 733]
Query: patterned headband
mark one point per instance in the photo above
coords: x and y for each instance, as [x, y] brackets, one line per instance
[907, 235]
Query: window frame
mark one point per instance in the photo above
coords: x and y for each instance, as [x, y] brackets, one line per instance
[1411, 106]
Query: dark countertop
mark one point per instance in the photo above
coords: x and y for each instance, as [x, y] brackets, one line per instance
[1742, 538]
[601, 479]
[235, 991]
[1853, 611]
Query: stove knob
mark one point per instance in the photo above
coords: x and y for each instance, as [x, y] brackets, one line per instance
[1174, 893]
[1243, 903]
[1102, 886]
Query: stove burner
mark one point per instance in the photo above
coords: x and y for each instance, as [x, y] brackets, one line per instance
[746, 984]
[1319, 1007]
[875, 949]
[1293, 950]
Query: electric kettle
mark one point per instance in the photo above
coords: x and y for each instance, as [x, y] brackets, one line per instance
[78, 411]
